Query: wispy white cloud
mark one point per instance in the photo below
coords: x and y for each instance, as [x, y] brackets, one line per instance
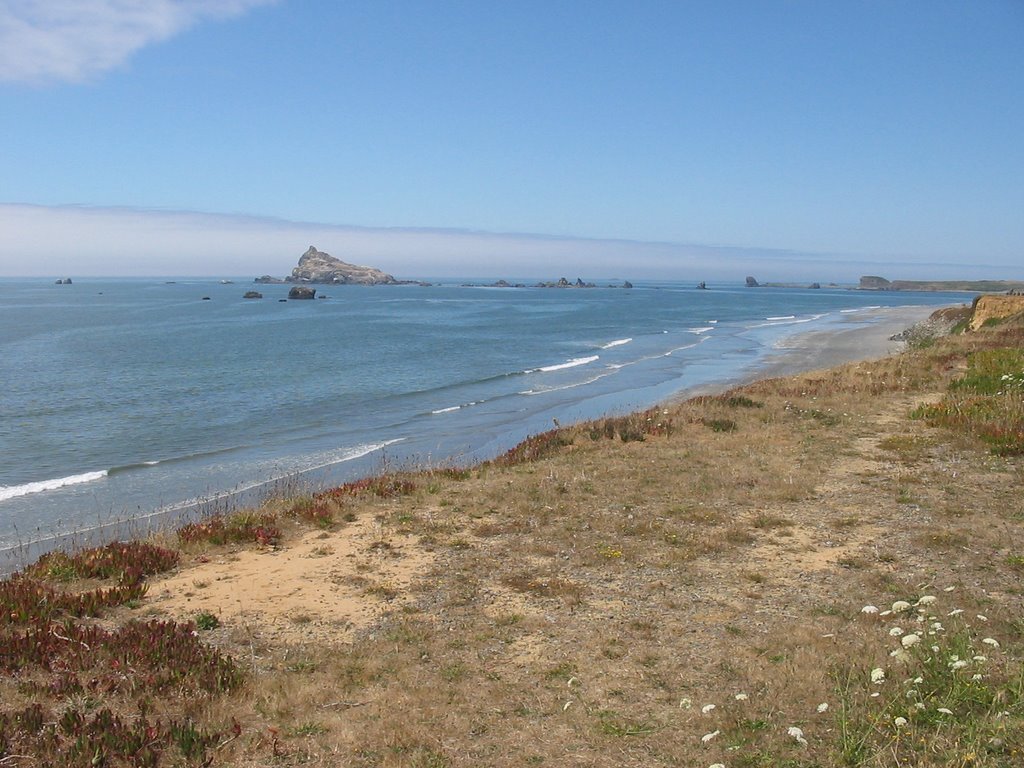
[73, 40]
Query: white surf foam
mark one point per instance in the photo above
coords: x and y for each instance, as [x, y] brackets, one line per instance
[453, 408]
[319, 461]
[685, 346]
[447, 410]
[788, 320]
[616, 343]
[13, 491]
[545, 390]
[349, 454]
[699, 331]
[568, 364]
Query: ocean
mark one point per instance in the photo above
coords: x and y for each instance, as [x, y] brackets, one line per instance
[133, 403]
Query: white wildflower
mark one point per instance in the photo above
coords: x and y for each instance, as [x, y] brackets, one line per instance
[982, 617]
[900, 655]
[823, 707]
[918, 680]
[976, 678]
[937, 626]
[875, 695]
[909, 641]
[991, 641]
[895, 632]
[797, 735]
[900, 605]
[877, 675]
[919, 705]
[944, 711]
[717, 765]
[935, 649]
[954, 665]
[869, 609]
[685, 703]
[955, 612]
[899, 722]
[980, 658]
[926, 600]
[707, 708]
[708, 737]
[741, 697]
[949, 589]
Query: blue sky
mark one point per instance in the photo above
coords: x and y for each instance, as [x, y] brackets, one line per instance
[683, 139]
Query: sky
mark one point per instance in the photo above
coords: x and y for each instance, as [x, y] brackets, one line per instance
[788, 139]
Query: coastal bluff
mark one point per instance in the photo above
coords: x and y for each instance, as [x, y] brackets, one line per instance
[321, 268]
[995, 307]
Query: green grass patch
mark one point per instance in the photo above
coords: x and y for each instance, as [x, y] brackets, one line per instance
[987, 402]
[992, 371]
[953, 697]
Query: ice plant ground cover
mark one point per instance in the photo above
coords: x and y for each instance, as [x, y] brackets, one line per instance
[96, 695]
[828, 583]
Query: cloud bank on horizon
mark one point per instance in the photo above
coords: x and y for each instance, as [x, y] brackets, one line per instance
[75, 241]
[75, 40]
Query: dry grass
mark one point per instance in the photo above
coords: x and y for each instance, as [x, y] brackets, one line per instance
[591, 594]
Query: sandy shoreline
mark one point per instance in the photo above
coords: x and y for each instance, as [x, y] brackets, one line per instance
[864, 335]
[850, 342]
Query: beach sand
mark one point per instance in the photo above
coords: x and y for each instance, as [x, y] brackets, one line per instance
[853, 341]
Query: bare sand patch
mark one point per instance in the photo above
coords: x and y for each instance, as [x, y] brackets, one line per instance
[325, 585]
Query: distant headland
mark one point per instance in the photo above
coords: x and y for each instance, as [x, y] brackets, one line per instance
[876, 283]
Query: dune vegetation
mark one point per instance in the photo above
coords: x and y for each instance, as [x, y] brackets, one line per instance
[819, 570]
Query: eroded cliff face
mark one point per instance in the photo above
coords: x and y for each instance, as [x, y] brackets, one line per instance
[319, 267]
[995, 306]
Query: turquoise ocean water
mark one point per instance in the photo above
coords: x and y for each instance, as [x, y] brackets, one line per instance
[139, 400]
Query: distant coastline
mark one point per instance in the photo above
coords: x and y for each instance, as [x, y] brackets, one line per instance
[877, 283]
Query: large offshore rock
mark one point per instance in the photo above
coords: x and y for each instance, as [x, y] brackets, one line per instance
[319, 267]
